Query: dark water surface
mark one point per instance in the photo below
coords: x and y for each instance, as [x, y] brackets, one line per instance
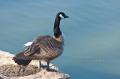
[92, 33]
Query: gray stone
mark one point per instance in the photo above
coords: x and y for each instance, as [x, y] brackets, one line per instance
[9, 70]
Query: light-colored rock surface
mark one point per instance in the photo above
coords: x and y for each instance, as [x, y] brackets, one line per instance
[6, 61]
[6, 58]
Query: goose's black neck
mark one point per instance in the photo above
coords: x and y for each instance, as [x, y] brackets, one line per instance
[57, 31]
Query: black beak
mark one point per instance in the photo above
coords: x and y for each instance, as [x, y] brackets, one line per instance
[66, 16]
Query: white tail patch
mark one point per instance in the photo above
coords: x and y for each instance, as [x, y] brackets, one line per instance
[28, 44]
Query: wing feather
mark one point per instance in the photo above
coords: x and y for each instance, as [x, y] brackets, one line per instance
[47, 43]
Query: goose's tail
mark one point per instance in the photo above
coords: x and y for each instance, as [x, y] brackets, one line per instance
[20, 59]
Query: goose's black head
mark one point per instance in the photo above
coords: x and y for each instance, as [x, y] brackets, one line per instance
[62, 15]
[59, 16]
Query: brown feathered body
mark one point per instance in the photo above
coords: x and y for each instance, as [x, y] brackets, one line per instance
[44, 48]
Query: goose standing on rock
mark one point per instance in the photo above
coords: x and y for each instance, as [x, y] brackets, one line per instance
[46, 47]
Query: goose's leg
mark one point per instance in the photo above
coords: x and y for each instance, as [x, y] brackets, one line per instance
[48, 63]
[39, 65]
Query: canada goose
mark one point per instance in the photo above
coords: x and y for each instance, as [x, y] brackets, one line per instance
[45, 47]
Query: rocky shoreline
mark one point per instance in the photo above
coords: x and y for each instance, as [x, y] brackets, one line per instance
[9, 70]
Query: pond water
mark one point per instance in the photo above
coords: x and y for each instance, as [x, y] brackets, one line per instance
[92, 33]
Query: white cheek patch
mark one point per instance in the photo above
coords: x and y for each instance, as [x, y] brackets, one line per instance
[61, 16]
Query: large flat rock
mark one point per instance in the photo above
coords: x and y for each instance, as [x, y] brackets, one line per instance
[9, 69]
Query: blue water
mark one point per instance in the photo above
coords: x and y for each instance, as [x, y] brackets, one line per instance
[92, 33]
